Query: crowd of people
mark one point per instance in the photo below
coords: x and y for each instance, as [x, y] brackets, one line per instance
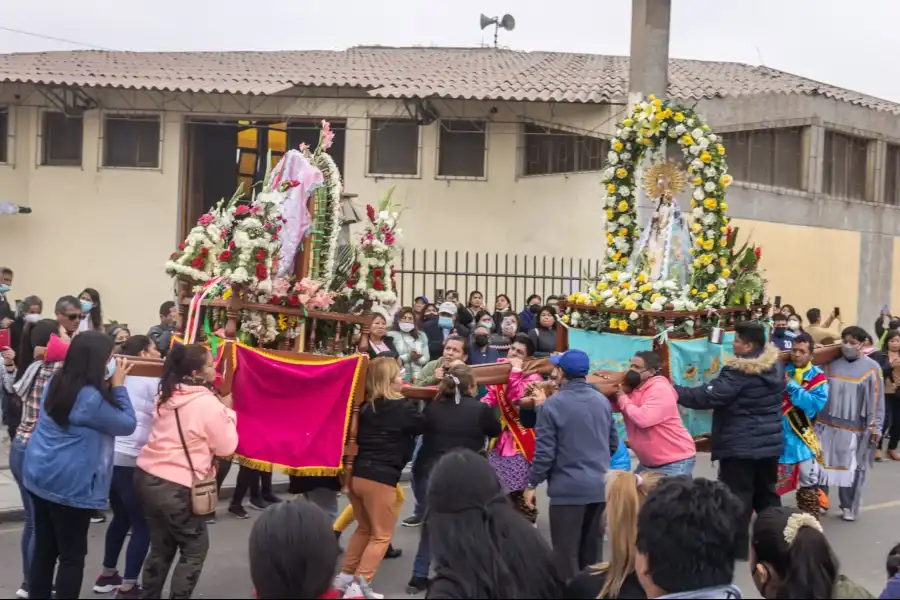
[88, 436]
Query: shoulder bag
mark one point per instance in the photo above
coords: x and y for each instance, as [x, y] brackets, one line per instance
[204, 490]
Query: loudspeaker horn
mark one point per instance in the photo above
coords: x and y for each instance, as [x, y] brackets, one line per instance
[508, 22]
[486, 20]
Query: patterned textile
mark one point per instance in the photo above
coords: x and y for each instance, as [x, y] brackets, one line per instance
[518, 502]
[512, 470]
[788, 476]
[31, 406]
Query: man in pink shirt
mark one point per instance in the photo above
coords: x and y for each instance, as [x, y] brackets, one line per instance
[649, 407]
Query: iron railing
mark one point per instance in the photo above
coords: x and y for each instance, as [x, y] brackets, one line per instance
[433, 272]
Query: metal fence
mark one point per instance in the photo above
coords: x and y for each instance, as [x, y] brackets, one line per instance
[432, 273]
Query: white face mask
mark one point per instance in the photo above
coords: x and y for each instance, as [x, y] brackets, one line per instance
[407, 327]
[32, 318]
[793, 325]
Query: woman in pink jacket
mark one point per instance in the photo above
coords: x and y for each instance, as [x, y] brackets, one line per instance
[650, 410]
[513, 451]
[190, 421]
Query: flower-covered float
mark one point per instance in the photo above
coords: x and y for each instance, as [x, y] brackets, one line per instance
[678, 284]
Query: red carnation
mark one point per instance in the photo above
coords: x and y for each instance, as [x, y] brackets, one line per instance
[173, 256]
[377, 272]
[243, 209]
[294, 300]
[204, 251]
[181, 246]
[389, 239]
[350, 284]
[231, 245]
[276, 300]
[378, 285]
[261, 271]
[758, 252]
[370, 212]
[197, 263]
[261, 254]
[268, 226]
[225, 256]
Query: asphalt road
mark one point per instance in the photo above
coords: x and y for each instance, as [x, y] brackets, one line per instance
[861, 546]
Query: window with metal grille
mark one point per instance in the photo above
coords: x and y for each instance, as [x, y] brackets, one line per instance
[892, 176]
[4, 134]
[393, 147]
[462, 148]
[307, 131]
[844, 168]
[548, 151]
[766, 156]
[131, 141]
[62, 139]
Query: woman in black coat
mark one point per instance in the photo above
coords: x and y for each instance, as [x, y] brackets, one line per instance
[380, 342]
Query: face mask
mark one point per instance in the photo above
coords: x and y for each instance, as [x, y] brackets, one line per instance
[489, 325]
[110, 368]
[4, 287]
[850, 352]
[86, 306]
[534, 309]
[407, 327]
[794, 325]
[779, 331]
[445, 322]
[633, 379]
[481, 340]
[32, 318]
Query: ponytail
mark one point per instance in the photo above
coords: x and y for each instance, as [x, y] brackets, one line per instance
[458, 381]
[181, 363]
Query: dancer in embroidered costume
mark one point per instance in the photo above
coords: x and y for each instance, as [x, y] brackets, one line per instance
[849, 427]
[513, 451]
[806, 394]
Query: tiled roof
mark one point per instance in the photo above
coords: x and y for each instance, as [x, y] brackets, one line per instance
[464, 73]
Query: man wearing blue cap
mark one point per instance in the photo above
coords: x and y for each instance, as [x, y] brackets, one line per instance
[575, 438]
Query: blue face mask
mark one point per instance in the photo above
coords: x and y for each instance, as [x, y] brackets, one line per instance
[4, 288]
[110, 368]
[86, 306]
[445, 322]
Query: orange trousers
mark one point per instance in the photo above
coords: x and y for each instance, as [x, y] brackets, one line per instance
[375, 507]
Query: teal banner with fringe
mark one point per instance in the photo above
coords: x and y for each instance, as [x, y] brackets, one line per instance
[693, 363]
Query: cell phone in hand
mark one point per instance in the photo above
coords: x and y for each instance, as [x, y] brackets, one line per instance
[837, 311]
[5, 341]
[777, 301]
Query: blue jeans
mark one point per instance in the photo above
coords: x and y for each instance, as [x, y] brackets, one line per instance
[419, 510]
[127, 514]
[673, 469]
[422, 562]
[16, 462]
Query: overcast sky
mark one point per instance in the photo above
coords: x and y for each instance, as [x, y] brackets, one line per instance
[850, 44]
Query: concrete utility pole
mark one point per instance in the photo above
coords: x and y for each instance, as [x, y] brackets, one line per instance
[649, 63]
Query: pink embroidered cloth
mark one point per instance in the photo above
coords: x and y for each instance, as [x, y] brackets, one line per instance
[291, 413]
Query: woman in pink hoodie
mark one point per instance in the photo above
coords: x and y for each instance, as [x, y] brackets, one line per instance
[507, 456]
[650, 410]
[191, 420]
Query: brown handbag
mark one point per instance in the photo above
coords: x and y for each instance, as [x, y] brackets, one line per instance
[204, 490]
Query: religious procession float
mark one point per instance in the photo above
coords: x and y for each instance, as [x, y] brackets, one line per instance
[265, 282]
[679, 284]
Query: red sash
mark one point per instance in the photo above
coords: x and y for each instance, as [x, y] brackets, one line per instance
[523, 436]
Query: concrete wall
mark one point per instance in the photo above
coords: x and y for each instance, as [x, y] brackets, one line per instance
[113, 228]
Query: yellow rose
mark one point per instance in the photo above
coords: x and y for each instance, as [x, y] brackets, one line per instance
[678, 116]
[725, 180]
[705, 259]
[617, 146]
[704, 295]
[696, 227]
[666, 113]
[720, 149]
[610, 239]
[622, 232]
[722, 262]
[710, 203]
[724, 230]
[623, 325]
[725, 272]
[709, 244]
[602, 286]
[687, 140]
[629, 304]
[711, 288]
[723, 242]
[614, 276]
[613, 323]
[693, 292]
[625, 285]
[623, 206]
[655, 296]
[646, 141]
[628, 122]
[724, 206]
[699, 240]
[615, 291]
[617, 256]
[610, 215]
[697, 181]
[573, 297]
[691, 250]
[611, 188]
[693, 203]
[696, 263]
[565, 318]
[641, 278]
[705, 156]
[645, 288]
[621, 173]
[624, 260]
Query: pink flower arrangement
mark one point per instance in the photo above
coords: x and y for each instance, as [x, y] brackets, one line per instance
[327, 135]
[320, 300]
[243, 209]
[206, 220]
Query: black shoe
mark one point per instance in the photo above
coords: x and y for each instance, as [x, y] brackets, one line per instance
[239, 512]
[271, 498]
[392, 552]
[412, 521]
[417, 585]
[258, 504]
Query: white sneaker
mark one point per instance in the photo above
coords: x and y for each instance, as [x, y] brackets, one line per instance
[847, 514]
[354, 591]
[22, 593]
[342, 581]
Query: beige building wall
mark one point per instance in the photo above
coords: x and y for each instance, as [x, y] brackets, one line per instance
[894, 304]
[808, 267]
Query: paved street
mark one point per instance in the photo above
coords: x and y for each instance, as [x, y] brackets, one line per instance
[861, 546]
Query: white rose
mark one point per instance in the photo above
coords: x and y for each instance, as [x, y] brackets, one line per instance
[609, 302]
[721, 282]
[619, 132]
[698, 194]
[626, 156]
[612, 158]
[710, 234]
[621, 244]
[680, 129]
[709, 172]
[698, 212]
[673, 134]
[625, 220]
[611, 226]
[633, 316]
[691, 122]
[712, 138]
[240, 275]
[709, 186]
[670, 285]
[696, 164]
[626, 276]
[709, 218]
[678, 304]
[697, 133]
[609, 173]
[624, 190]
[703, 143]
[656, 306]
[664, 125]
[606, 293]
[710, 269]
[610, 252]
[626, 132]
[695, 150]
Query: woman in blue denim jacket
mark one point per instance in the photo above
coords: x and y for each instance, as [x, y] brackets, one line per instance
[69, 460]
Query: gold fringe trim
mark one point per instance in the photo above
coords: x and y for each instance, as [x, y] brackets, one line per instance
[268, 467]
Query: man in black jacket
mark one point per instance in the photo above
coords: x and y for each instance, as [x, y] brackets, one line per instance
[747, 439]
